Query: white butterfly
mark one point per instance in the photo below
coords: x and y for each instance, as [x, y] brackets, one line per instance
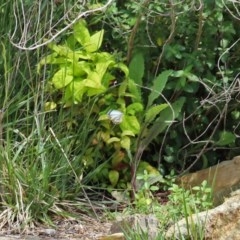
[115, 116]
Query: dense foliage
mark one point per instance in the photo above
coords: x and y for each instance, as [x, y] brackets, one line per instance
[198, 41]
[135, 91]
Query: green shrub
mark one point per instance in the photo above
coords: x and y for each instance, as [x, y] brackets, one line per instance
[84, 74]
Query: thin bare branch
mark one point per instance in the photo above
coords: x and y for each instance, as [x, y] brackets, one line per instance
[41, 41]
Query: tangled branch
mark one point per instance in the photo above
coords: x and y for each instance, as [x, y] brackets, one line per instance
[26, 36]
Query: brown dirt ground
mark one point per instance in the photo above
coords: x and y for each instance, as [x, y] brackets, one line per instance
[85, 229]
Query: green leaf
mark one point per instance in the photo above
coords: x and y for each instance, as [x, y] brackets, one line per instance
[48, 106]
[136, 68]
[113, 176]
[93, 82]
[191, 88]
[50, 59]
[64, 51]
[136, 72]
[179, 73]
[127, 133]
[235, 114]
[113, 139]
[169, 159]
[130, 123]
[62, 78]
[81, 33]
[153, 111]
[134, 90]
[192, 77]
[158, 85]
[133, 108]
[101, 67]
[145, 166]
[75, 91]
[165, 119]
[122, 67]
[125, 142]
[226, 138]
[95, 42]
[82, 55]
[81, 68]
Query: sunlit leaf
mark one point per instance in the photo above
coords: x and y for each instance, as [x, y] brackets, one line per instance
[93, 82]
[101, 67]
[130, 123]
[134, 90]
[64, 51]
[81, 33]
[127, 133]
[159, 41]
[145, 166]
[95, 42]
[134, 107]
[48, 106]
[113, 139]
[122, 67]
[75, 90]
[105, 136]
[113, 176]
[81, 68]
[125, 142]
[50, 59]
[103, 117]
[62, 78]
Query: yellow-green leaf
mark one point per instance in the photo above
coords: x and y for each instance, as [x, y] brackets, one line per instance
[130, 123]
[134, 107]
[113, 176]
[123, 68]
[75, 90]
[125, 142]
[48, 106]
[81, 32]
[95, 42]
[128, 133]
[62, 78]
[113, 139]
[81, 68]
[103, 117]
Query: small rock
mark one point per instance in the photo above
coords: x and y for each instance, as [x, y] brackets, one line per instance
[138, 223]
[115, 236]
[48, 231]
[220, 223]
[223, 178]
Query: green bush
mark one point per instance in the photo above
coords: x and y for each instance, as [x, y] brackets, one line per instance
[198, 42]
[161, 95]
[83, 74]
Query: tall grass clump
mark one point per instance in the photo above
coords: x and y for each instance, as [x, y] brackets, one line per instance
[41, 167]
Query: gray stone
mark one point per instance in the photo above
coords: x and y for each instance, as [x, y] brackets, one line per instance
[220, 223]
[146, 224]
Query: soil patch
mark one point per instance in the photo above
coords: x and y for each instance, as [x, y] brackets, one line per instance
[85, 229]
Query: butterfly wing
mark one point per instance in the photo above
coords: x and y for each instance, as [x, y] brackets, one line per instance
[115, 116]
